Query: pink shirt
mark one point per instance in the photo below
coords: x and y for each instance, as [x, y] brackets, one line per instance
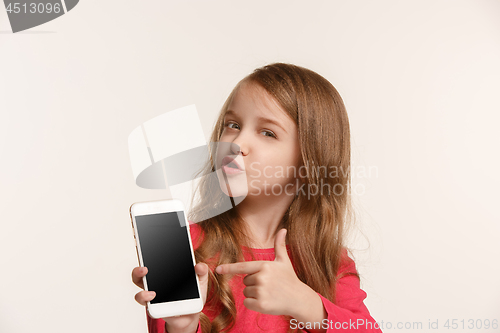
[348, 315]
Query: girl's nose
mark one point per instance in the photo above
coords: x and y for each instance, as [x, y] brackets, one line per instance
[236, 148]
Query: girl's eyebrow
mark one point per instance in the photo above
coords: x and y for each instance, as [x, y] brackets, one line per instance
[260, 119]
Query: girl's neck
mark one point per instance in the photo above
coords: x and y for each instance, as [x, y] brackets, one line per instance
[262, 215]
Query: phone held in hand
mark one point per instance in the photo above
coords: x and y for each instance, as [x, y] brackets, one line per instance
[163, 244]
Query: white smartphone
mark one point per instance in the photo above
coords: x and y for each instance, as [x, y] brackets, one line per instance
[163, 244]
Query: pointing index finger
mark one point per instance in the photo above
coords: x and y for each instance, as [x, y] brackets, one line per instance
[246, 267]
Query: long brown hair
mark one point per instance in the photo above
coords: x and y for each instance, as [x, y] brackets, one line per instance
[316, 224]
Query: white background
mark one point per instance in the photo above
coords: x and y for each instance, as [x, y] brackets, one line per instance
[420, 80]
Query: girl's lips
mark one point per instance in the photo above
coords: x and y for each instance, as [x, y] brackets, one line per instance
[227, 160]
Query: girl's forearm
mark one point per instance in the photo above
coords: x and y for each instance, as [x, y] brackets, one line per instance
[309, 308]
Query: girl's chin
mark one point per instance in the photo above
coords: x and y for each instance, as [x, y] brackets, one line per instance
[234, 189]
[235, 193]
[235, 186]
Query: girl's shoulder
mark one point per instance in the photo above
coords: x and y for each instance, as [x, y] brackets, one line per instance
[347, 265]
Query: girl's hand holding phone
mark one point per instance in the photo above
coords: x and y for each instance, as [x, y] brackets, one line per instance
[185, 323]
[272, 287]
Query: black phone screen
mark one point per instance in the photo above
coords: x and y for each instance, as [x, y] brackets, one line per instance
[166, 253]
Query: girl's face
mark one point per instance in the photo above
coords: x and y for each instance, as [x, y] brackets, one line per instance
[268, 140]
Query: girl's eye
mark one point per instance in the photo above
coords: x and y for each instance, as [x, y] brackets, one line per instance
[229, 125]
[272, 135]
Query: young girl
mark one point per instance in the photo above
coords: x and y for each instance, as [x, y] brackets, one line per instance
[276, 261]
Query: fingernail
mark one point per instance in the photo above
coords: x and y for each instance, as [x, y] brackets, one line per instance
[152, 294]
[218, 269]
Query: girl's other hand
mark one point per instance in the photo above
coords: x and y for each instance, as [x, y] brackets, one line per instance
[271, 287]
[185, 323]
[144, 296]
